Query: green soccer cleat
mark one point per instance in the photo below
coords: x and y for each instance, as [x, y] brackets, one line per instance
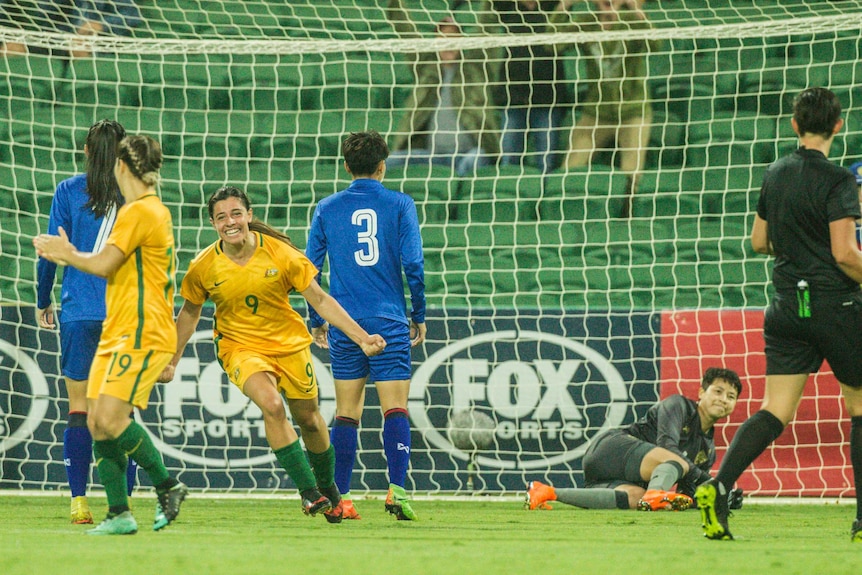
[122, 524]
[856, 531]
[712, 503]
[168, 506]
[398, 505]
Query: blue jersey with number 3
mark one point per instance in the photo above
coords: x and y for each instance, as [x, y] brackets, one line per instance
[370, 234]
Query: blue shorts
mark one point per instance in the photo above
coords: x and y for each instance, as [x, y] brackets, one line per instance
[78, 343]
[394, 364]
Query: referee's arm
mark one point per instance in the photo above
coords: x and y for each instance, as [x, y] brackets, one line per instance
[845, 250]
[760, 237]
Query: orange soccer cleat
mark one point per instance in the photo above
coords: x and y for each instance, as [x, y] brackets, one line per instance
[349, 510]
[656, 499]
[538, 494]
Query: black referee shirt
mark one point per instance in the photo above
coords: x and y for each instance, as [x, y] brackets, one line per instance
[801, 194]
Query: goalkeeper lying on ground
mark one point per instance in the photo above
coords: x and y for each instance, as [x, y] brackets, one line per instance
[637, 466]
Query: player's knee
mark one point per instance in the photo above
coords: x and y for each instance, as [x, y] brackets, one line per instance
[272, 408]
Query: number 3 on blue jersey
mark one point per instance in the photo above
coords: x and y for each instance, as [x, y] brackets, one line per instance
[371, 252]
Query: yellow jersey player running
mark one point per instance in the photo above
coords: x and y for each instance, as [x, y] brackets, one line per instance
[137, 337]
[263, 343]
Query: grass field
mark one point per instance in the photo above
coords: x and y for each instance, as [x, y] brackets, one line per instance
[271, 536]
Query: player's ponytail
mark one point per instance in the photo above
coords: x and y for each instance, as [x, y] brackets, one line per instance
[255, 225]
[102, 188]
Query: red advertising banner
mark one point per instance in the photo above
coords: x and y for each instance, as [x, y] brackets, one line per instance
[811, 458]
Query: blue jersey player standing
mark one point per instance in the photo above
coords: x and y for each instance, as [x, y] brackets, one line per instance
[85, 206]
[370, 235]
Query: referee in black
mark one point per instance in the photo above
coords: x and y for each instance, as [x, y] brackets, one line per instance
[806, 218]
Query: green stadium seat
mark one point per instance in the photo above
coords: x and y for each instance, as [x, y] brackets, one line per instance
[309, 19]
[733, 127]
[186, 82]
[664, 195]
[683, 97]
[265, 82]
[349, 81]
[433, 188]
[500, 194]
[237, 18]
[582, 194]
[828, 48]
[31, 77]
[667, 138]
[106, 82]
[49, 137]
[771, 88]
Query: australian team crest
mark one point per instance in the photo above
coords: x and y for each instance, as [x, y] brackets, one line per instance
[270, 273]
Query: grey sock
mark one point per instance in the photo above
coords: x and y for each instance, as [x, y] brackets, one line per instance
[594, 498]
[665, 475]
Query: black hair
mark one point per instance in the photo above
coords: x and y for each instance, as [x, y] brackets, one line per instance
[363, 152]
[102, 188]
[816, 111]
[730, 376]
[143, 155]
[226, 192]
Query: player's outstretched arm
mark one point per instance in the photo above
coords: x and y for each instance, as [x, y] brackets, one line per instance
[187, 323]
[59, 249]
[330, 310]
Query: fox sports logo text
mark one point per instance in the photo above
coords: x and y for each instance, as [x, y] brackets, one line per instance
[204, 420]
[548, 395]
[24, 399]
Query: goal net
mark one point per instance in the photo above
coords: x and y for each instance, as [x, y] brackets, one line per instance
[550, 315]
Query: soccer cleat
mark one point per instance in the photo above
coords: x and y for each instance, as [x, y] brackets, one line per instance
[712, 503]
[656, 499]
[122, 524]
[538, 494]
[168, 506]
[856, 531]
[313, 502]
[348, 510]
[333, 515]
[336, 513]
[398, 505]
[81, 511]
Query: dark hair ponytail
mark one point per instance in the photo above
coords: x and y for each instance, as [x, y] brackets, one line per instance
[102, 188]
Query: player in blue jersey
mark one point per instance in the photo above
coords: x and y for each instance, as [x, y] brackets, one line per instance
[85, 206]
[371, 235]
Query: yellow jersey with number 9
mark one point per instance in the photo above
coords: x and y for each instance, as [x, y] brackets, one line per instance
[140, 295]
[252, 307]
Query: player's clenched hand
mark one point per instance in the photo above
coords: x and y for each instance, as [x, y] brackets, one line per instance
[167, 373]
[373, 345]
[319, 335]
[46, 316]
[417, 333]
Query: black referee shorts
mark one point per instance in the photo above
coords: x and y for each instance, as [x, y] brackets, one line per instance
[797, 345]
[615, 457]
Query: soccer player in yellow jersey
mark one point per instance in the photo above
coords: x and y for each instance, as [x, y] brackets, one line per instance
[137, 339]
[263, 343]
